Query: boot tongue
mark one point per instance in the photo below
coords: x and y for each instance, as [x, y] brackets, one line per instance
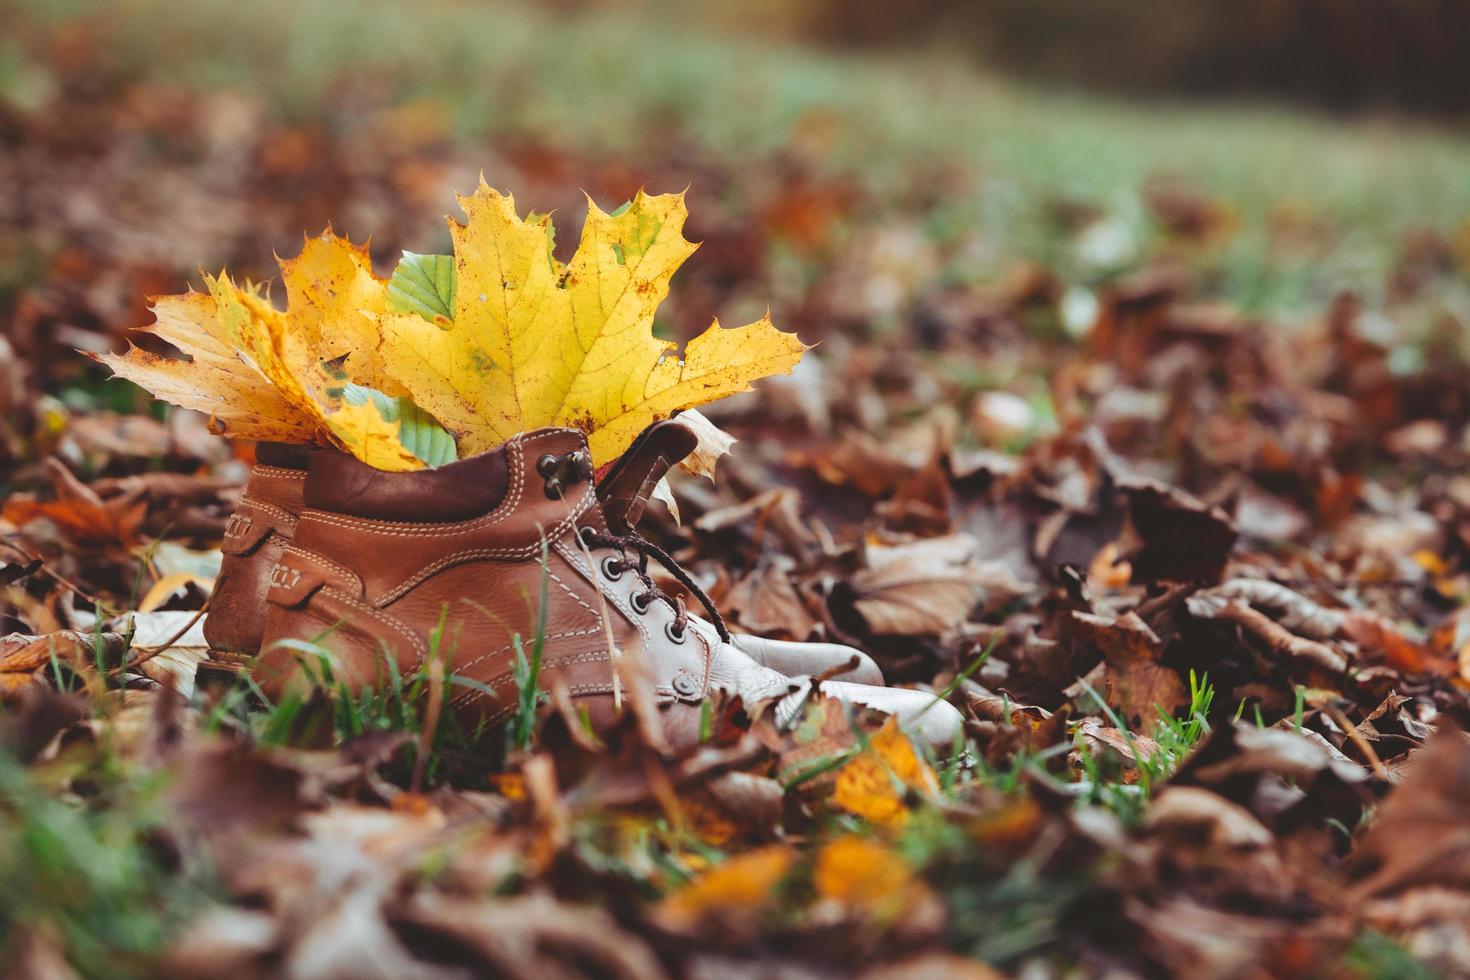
[624, 491]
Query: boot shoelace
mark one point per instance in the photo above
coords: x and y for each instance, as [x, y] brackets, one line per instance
[644, 549]
[559, 472]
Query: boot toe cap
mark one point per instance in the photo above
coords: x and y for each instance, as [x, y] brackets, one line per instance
[923, 716]
[810, 659]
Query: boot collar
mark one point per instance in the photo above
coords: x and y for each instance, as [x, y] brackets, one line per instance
[465, 489]
[458, 491]
[282, 455]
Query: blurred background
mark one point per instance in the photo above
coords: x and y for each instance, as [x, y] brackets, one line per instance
[871, 170]
[1342, 54]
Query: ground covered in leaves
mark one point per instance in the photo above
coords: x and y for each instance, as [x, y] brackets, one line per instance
[1195, 565]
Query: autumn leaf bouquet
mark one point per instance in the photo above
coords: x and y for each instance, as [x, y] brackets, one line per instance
[453, 355]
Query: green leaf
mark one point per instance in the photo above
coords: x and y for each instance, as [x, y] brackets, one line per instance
[420, 433]
[423, 284]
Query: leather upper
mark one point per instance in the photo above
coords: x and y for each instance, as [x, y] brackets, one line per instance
[254, 538]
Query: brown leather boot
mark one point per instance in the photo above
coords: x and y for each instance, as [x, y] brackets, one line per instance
[266, 518]
[254, 537]
[379, 560]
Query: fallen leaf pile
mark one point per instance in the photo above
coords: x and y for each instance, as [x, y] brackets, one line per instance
[1197, 575]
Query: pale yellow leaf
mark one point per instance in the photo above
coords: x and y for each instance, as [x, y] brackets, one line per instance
[662, 491]
[714, 442]
[219, 381]
[164, 589]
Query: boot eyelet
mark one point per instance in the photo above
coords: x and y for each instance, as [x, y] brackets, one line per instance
[586, 534]
[676, 635]
[612, 567]
[641, 601]
[549, 467]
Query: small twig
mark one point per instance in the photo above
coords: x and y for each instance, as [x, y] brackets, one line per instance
[75, 589]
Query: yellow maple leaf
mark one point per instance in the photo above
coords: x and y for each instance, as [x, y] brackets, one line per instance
[874, 784]
[264, 373]
[534, 343]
